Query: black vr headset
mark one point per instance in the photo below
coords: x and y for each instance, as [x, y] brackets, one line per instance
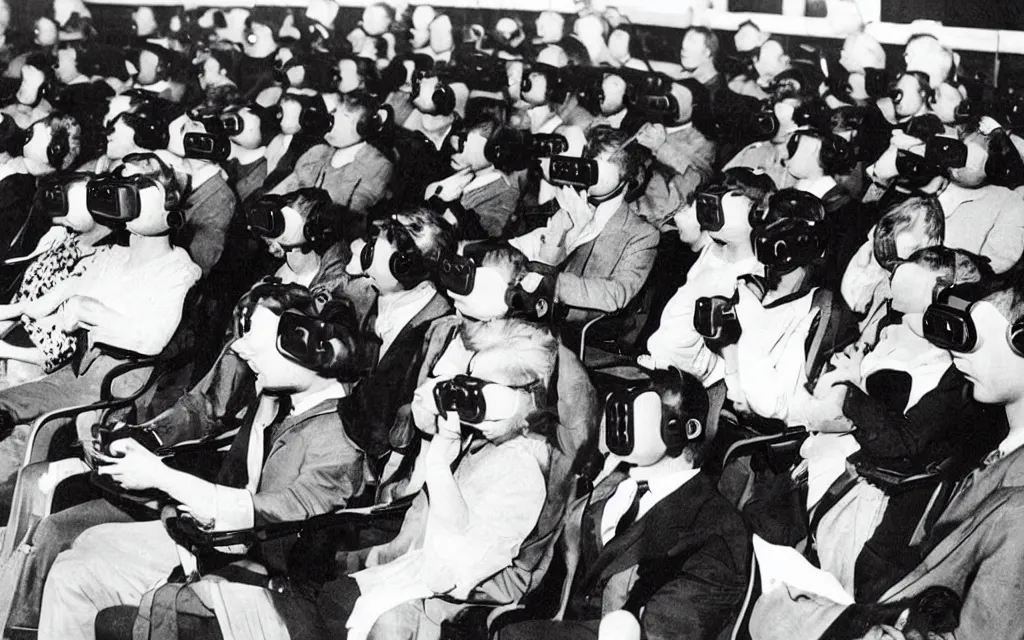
[457, 274]
[116, 198]
[476, 70]
[442, 99]
[578, 173]
[313, 342]
[791, 239]
[948, 324]
[52, 195]
[265, 218]
[620, 428]
[213, 147]
[464, 395]
[406, 264]
[516, 149]
[715, 318]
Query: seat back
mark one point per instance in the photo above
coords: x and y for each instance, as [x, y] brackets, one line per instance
[741, 629]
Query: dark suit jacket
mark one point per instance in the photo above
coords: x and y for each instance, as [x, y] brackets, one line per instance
[606, 273]
[208, 214]
[685, 563]
[494, 205]
[359, 184]
[369, 412]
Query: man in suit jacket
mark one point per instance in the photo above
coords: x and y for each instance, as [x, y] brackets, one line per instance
[348, 167]
[602, 247]
[654, 537]
[972, 547]
[683, 157]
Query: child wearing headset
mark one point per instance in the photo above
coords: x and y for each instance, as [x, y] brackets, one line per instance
[651, 495]
[604, 248]
[301, 360]
[348, 167]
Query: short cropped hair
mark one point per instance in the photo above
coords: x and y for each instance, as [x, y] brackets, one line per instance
[630, 159]
[528, 352]
[433, 236]
[953, 266]
[922, 212]
[65, 131]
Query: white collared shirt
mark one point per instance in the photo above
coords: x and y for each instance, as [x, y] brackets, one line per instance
[659, 489]
[1012, 442]
[276, 150]
[396, 310]
[683, 127]
[346, 156]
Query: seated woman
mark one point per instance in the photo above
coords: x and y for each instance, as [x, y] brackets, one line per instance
[129, 300]
[908, 411]
[291, 461]
[30, 105]
[462, 543]
[32, 348]
[51, 145]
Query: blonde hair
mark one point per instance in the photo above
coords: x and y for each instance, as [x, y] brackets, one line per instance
[528, 352]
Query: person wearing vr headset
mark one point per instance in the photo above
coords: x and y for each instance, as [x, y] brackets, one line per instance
[684, 156]
[301, 360]
[304, 121]
[51, 145]
[128, 300]
[913, 224]
[769, 155]
[482, 197]
[816, 157]
[972, 547]
[30, 103]
[32, 349]
[717, 224]
[909, 414]
[492, 423]
[692, 573]
[251, 128]
[603, 248]
[765, 368]
[981, 217]
[217, 71]
[348, 167]
[300, 227]
[158, 66]
[400, 258]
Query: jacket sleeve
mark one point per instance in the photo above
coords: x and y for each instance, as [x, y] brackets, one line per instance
[210, 228]
[614, 292]
[701, 601]
[211, 407]
[307, 167]
[329, 474]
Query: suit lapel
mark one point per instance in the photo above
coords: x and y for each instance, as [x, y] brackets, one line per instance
[436, 308]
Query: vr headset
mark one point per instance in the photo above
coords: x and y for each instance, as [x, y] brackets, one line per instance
[312, 342]
[457, 274]
[924, 127]
[792, 239]
[715, 319]
[464, 395]
[516, 149]
[52, 195]
[116, 199]
[264, 216]
[710, 216]
[657, 108]
[477, 71]
[214, 147]
[578, 173]
[620, 429]
[947, 153]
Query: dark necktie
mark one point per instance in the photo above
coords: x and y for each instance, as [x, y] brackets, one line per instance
[634, 508]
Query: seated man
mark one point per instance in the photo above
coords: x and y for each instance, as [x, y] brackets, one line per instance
[602, 247]
[252, 129]
[400, 259]
[484, 196]
[683, 156]
[973, 547]
[300, 360]
[348, 167]
[129, 300]
[654, 536]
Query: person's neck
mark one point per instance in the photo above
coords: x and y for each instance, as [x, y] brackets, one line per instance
[733, 252]
[79, 79]
[246, 156]
[93, 236]
[302, 262]
[436, 129]
[702, 241]
[789, 284]
[667, 466]
[393, 296]
[704, 73]
[1015, 415]
[36, 168]
[539, 116]
[261, 50]
[319, 384]
[145, 249]
[782, 137]
[817, 185]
